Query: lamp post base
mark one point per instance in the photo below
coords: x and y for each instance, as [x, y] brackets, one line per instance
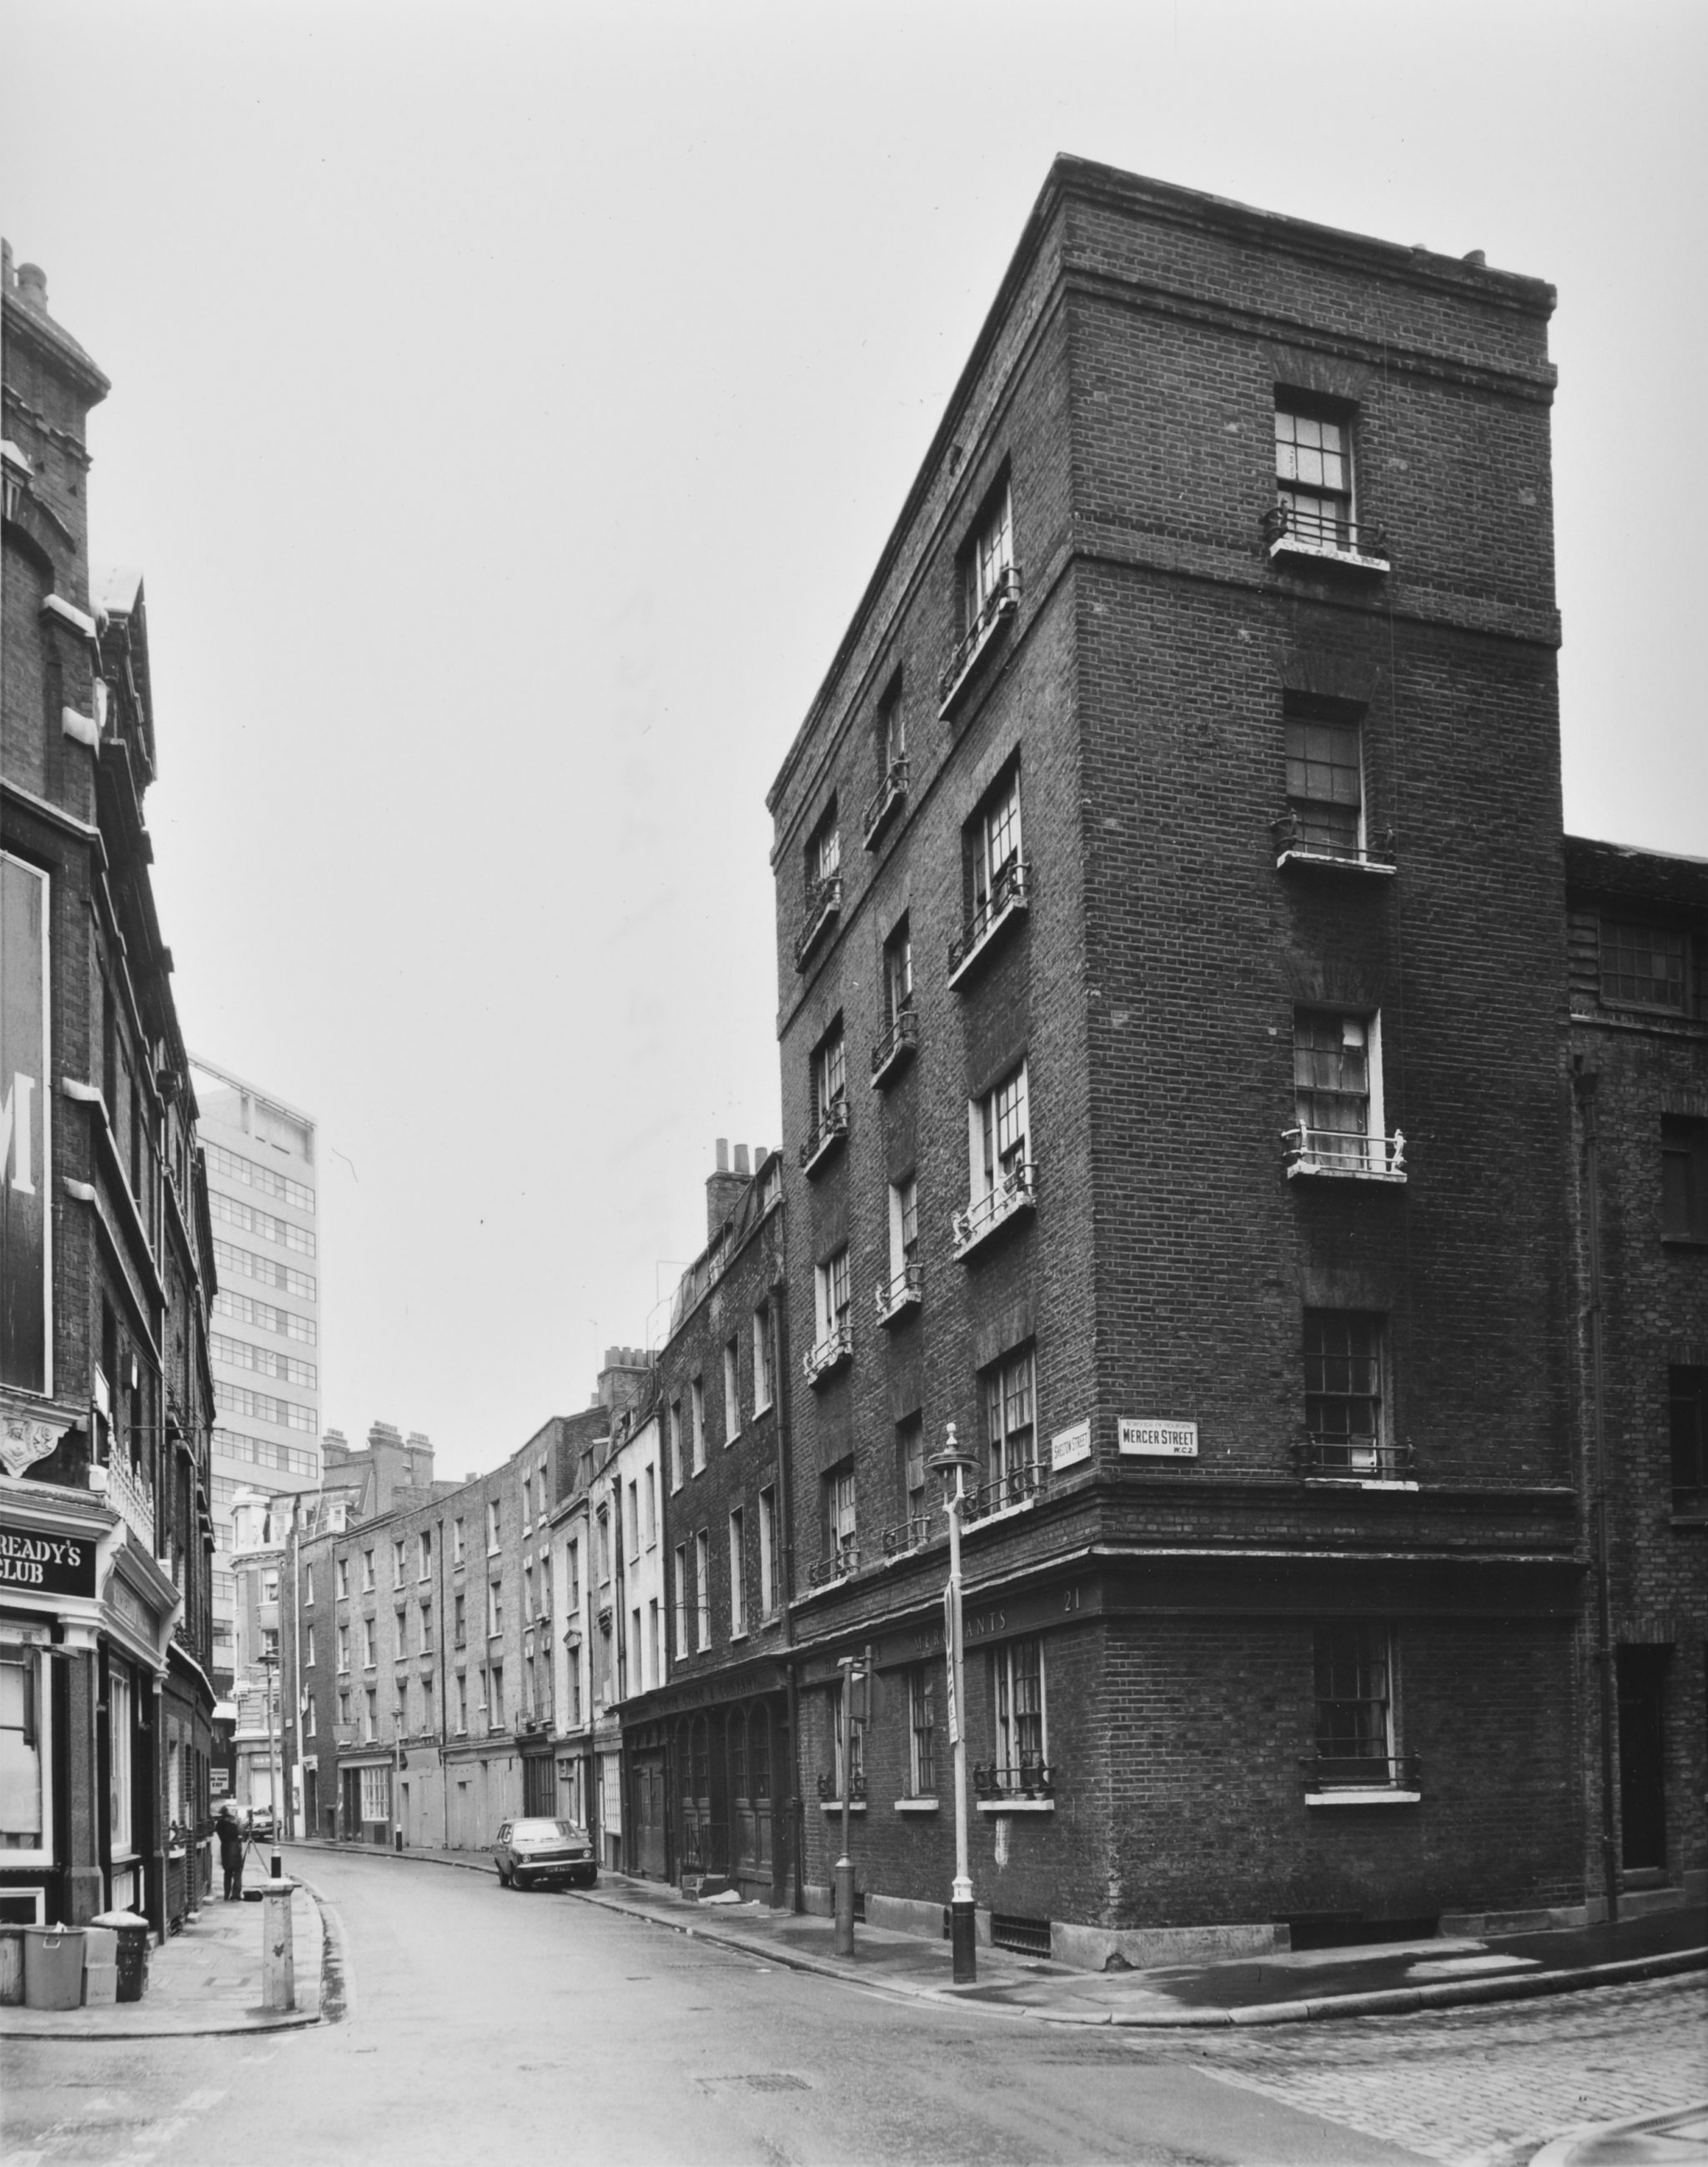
[963, 1942]
[844, 1875]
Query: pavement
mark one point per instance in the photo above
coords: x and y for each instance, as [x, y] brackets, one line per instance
[1380, 1978]
[205, 1979]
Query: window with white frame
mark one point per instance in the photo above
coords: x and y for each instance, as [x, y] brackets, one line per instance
[892, 727]
[1325, 775]
[528, 1592]
[1011, 1423]
[367, 1572]
[310, 1724]
[995, 870]
[121, 1716]
[495, 1608]
[1645, 966]
[824, 849]
[1344, 1402]
[904, 1236]
[343, 1647]
[527, 1503]
[675, 1444]
[341, 1567]
[768, 1551]
[369, 1650]
[702, 1588]
[841, 1525]
[1355, 1711]
[989, 559]
[696, 1403]
[604, 1528]
[571, 1569]
[634, 1517]
[651, 1480]
[829, 1084]
[424, 1558]
[732, 1392]
[398, 1552]
[850, 1758]
[999, 1138]
[762, 1358]
[457, 1542]
[308, 1569]
[1337, 1088]
[1017, 1680]
[376, 1795]
[834, 1286]
[737, 1571]
[495, 1526]
[309, 1650]
[1313, 472]
[921, 1726]
[655, 1654]
[681, 1595]
[370, 1714]
[910, 1461]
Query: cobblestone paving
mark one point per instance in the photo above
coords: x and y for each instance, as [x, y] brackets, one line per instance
[1483, 2087]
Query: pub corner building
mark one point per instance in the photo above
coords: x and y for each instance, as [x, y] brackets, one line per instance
[106, 1248]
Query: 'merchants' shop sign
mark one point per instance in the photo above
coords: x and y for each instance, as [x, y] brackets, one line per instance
[46, 1565]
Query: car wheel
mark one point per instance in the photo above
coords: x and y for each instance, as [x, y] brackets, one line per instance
[589, 1881]
[517, 1881]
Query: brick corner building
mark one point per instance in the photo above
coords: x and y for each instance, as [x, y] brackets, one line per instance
[106, 1246]
[1169, 881]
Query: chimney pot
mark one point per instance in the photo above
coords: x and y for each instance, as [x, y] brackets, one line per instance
[32, 287]
[723, 1154]
[741, 1159]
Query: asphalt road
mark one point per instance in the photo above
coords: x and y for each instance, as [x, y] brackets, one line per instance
[489, 2026]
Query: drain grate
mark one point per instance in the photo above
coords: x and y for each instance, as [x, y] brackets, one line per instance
[757, 2080]
[1030, 1937]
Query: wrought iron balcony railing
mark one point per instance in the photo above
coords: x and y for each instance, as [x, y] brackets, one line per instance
[1029, 1779]
[1355, 1458]
[903, 1292]
[1294, 530]
[1011, 894]
[829, 1354]
[829, 1127]
[837, 1564]
[898, 1045]
[1013, 1194]
[1000, 604]
[886, 799]
[913, 1535]
[1300, 840]
[1012, 1492]
[857, 1793]
[1345, 1154]
[823, 902]
[1358, 1771]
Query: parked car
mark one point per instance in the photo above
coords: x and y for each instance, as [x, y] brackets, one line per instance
[527, 1852]
[260, 1823]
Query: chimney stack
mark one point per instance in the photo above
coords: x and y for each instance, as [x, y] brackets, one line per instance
[723, 1189]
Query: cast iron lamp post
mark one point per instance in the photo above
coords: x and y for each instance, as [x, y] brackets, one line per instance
[963, 1931]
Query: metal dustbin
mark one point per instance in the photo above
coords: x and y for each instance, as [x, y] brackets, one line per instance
[134, 1934]
[53, 1967]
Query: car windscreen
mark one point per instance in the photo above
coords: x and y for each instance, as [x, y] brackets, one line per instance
[548, 1831]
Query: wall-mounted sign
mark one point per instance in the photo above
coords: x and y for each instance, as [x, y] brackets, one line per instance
[1069, 1445]
[1161, 1440]
[26, 1171]
[36, 1564]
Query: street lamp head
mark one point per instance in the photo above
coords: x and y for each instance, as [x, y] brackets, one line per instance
[952, 1456]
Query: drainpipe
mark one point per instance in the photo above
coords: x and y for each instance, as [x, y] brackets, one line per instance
[1584, 1082]
[441, 1605]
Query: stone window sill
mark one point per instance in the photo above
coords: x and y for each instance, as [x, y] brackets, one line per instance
[916, 1805]
[1372, 1798]
[1017, 1805]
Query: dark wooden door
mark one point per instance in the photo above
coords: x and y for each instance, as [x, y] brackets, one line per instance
[648, 1811]
[1642, 1758]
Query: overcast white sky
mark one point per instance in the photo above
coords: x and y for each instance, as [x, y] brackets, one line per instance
[509, 405]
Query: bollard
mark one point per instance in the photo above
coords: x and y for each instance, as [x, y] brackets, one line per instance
[845, 1878]
[278, 1977]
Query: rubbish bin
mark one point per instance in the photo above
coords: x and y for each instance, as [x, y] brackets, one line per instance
[53, 1967]
[100, 1966]
[133, 1951]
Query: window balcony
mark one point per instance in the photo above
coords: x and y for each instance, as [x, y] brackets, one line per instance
[886, 800]
[828, 1130]
[1003, 601]
[1354, 1460]
[896, 1296]
[1357, 1778]
[1016, 1492]
[1305, 843]
[987, 1215]
[1324, 538]
[1034, 1780]
[843, 1560]
[1343, 1155]
[829, 1355]
[1010, 897]
[906, 1536]
[823, 903]
[897, 1047]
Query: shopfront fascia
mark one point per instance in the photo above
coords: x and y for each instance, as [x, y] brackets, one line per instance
[86, 1623]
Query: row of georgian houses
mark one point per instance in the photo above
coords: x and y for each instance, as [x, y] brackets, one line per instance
[106, 1248]
[1213, 1088]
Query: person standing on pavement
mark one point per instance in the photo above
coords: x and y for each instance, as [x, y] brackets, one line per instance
[231, 1854]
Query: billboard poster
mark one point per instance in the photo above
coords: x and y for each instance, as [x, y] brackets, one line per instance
[25, 1176]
